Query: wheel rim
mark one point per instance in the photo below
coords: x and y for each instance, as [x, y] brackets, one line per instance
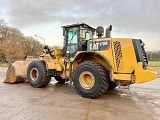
[87, 80]
[34, 74]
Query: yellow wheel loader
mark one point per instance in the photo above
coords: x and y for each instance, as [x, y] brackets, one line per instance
[93, 65]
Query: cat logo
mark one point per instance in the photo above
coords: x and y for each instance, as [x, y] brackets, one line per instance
[98, 45]
[94, 47]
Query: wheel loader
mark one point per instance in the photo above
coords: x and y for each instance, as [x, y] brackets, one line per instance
[92, 65]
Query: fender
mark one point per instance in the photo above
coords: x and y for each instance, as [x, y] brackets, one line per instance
[92, 56]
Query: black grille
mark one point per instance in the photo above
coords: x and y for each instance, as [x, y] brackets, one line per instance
[145, 60]
[118, 55]
[140, 51]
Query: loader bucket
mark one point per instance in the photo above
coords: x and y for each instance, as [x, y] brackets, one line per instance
[17, 72]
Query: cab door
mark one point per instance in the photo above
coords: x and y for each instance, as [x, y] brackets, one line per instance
[72, 42]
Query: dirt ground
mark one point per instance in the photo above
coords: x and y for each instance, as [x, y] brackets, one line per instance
[61, 102]
[158, 71]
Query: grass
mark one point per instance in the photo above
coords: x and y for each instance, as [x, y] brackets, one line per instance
[3, 64]
[154, 63]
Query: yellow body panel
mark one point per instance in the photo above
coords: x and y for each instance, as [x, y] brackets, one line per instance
[53, 63]
[144, 75]
[128, 77]
[123, 55]
[108, 56]
[103, 57]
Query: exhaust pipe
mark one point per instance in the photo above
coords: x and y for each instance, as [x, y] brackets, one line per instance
[108, 32]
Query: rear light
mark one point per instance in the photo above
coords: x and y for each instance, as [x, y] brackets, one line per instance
[108, 47]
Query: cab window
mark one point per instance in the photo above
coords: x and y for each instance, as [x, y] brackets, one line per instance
[86, 34]
[73, 35]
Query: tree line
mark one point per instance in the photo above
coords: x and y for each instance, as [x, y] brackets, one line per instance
[13, 44]
[153, 55]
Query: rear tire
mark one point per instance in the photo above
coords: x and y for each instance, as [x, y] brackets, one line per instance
[36, 74]
[90, 79]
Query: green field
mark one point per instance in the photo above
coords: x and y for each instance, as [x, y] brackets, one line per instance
[154, 63]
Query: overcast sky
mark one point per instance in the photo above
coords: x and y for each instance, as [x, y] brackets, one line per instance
[130, 18]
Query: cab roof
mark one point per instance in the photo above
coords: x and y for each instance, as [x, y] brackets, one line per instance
[78, 24]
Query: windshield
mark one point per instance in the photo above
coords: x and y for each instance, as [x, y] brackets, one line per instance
[73, 35]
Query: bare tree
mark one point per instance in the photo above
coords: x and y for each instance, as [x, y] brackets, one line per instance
[31, 46]
[13, 44]
[11, 47]
[153, 55]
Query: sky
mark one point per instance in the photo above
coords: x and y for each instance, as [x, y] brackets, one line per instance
[137, 19]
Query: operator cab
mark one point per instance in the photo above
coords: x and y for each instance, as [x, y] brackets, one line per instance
[76, 37]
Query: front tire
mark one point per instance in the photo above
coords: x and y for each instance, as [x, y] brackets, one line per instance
[90, 79]
[36, 74]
